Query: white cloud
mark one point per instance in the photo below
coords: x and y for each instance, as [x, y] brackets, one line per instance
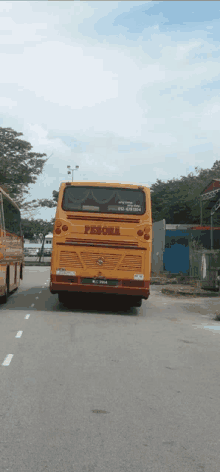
[55, 82]
[7, 102]
[160, 172]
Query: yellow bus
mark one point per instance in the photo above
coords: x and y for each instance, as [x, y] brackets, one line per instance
[11, 246]
[102, 240]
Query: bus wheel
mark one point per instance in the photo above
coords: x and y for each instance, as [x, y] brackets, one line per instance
[21, 272]
[62, 297]
[137, 301]
[4, 298]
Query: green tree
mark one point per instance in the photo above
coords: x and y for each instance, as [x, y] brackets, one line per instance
[19, 167]
[36, 229]
[44, 202]
[178, 201]
[49, 203]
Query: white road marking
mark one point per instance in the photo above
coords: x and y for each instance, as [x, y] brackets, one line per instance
[19, 334]
[7, 359]
[32, 305]
[213, 327]
[36, 298]
[27, 317]
[40, 292]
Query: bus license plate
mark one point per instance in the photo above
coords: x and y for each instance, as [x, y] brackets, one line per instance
[103, 282]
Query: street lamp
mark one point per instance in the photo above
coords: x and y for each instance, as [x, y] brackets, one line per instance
[72, 170]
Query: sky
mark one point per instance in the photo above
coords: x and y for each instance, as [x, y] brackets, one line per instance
[128, 91]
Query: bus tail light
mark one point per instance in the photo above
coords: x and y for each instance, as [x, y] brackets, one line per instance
[140, 232]
[59, 230]
[146, 236]
[58, 223]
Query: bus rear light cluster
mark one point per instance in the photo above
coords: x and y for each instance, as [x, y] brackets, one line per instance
[64, 228]
[145, 232]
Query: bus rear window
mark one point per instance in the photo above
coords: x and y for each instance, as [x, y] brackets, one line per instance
[104, 200]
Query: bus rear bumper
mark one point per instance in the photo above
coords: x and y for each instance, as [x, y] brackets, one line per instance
[123, 288]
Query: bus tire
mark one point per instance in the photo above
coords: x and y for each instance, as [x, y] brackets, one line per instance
[21, 272]
[62, 297]
[4, 298]
[137, 302]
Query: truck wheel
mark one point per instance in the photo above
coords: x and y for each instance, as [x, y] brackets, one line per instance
[4, 298]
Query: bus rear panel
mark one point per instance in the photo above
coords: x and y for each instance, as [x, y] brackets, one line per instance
[102, 240]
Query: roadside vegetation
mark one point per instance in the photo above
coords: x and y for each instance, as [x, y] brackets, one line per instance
[217, 316]
[176, 200]
[20, 168]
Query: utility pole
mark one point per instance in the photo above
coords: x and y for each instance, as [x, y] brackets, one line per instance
[200, 210]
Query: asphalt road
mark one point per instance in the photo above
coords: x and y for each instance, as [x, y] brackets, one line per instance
[93, 388]
[36, 259]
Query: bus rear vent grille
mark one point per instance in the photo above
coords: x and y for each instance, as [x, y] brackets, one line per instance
[70, 259]
[131, 262]
[95, 260]
[101, 242]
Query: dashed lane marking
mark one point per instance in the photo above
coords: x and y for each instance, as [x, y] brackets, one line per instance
[19, 334]
[32, 305]
[7, 360]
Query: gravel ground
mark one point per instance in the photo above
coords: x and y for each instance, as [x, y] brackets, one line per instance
[178, 290]
[172, 286]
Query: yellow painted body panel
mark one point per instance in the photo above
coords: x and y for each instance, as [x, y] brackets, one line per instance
[102, 245]
[11, 254]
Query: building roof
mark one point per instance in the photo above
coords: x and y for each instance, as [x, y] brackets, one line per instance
[213, 185]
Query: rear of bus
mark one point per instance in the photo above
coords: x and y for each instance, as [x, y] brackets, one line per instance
[102, 240]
